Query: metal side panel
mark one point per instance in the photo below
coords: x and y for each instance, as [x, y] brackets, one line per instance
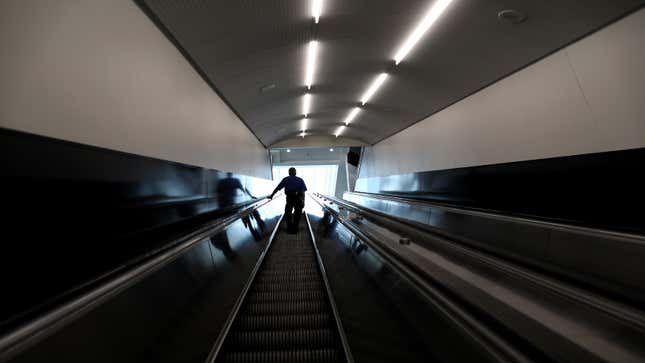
[533, 311]
[90, 209]
[173, 314]
[602, 260]
[384, 317]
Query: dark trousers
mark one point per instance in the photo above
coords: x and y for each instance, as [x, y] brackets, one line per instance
[295, 203]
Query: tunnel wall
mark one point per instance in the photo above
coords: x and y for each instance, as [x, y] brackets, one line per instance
[111, 147]
[100, 73]
[585, 98]
[562, 139]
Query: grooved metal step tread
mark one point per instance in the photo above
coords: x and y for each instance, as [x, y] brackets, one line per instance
[302, 280]
[290, 286]
[284, 322]
[278, 308]
[295, 275]
[271, 296]
[285, 356]
[285, 316]
[282, 339]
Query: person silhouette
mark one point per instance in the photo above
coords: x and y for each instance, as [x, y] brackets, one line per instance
[295, 189]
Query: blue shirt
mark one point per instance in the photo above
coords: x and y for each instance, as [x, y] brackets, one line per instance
[292, 184]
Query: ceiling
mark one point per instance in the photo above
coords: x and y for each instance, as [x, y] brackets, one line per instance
[242, 45]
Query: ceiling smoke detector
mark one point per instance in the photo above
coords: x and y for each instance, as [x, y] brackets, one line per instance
[511, 16]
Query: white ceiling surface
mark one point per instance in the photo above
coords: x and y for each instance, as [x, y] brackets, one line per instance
[242, 45]
[585, 98]
[317, 141]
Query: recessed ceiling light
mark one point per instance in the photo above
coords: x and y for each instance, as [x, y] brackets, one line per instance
[352, 115]
[331, 149]
[433, 14]
[302, 134]
[316, 9]
[311, 63]
[303, 126]
[339, 131]
[373, 88]
[288, 150]
[306, 105]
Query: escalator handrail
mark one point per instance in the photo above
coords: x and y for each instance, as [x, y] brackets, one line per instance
[489, 340]
[110, 285]
[221, 338]
[619, 311]
[330, 295]
[637, 238]
[610, 309]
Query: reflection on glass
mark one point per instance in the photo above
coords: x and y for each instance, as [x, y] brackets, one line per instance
[227, 191]
[254, 223]
[221, 242]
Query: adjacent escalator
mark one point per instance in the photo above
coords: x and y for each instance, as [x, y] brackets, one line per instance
[286, 315]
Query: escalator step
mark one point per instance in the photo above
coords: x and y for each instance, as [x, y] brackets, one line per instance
[304, 268]
[286, 356]
[271, 296]
[282, 339]
[290, 263]
[276, 308]
[308, 270]
[296, 286]
[284, 322]
[286, 278]
[285, 317]
[294, 275]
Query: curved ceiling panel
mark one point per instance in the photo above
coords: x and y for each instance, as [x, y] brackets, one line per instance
[255, 53]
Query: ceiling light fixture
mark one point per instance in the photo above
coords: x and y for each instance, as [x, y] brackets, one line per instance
[302, 134]
[306, 104]
[352, 115]
[316, 9]
[311, 63]
[303, 128]
[288, 150]
[433, 14]
[331, 149]
[339, 131]
[373, 88]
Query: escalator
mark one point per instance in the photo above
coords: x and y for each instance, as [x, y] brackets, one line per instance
[401, 292]
[287, 314]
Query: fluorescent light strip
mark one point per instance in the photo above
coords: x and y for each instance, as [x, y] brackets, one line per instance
[306, 104]
[302, 134]
[433, 14]
[303, 128]
[316, 9]
[311, 63]
[352, 115]
[339, 131]
[373, 88]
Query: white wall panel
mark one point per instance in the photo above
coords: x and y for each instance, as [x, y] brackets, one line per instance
[100, 73]
[585, 98]
[611, 68]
